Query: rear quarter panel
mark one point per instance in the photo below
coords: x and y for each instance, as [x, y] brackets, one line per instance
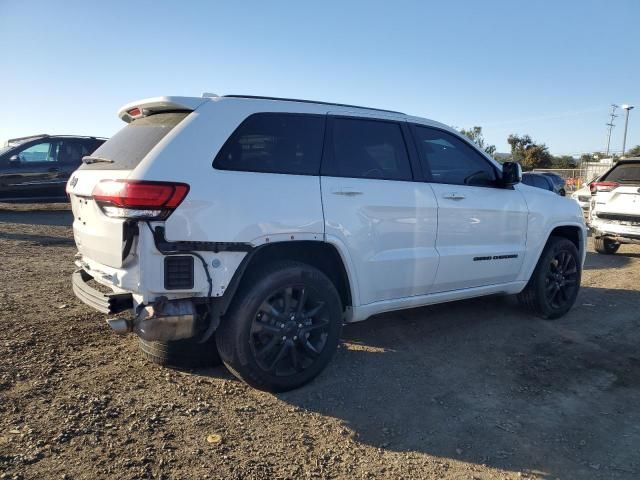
[229, 206]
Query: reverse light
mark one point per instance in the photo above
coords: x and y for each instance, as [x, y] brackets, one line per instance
[603, 187]
[139, 199]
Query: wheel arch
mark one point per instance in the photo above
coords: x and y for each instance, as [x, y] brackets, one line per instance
[319, 254]
[573, 232]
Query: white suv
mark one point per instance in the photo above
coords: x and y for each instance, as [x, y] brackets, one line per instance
[254, 227]
[614, 214]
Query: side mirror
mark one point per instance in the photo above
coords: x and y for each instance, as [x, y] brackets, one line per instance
[14, 160]
[511, 173]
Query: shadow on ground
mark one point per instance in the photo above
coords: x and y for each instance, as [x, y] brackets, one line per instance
[479, 381]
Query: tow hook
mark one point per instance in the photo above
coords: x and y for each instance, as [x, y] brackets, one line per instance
[162, 320]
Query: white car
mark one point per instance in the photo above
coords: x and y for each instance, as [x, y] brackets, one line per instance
[256, 226]
[583, 196]
[614, 215]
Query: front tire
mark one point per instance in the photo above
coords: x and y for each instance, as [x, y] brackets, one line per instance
[282, 328]
[605, 246]
[553, 288]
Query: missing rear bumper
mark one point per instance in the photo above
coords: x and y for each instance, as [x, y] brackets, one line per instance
[109, 303]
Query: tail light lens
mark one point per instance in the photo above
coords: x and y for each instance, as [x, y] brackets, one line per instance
[139, 199]
[603, 187]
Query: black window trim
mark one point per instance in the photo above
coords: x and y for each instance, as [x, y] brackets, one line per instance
[234, 134]
[327, 156]
[427, 174]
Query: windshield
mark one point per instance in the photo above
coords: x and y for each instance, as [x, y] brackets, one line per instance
[126, 149]
[625, 173]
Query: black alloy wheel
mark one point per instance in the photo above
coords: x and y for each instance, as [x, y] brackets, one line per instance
[282, 327]
[290, 330]
[561, 279]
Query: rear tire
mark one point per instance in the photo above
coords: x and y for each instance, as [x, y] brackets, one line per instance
[605, 246]
[553, 288]
[282, 328]
[187, 353]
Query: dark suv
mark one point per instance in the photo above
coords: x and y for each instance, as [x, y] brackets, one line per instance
[36, 168]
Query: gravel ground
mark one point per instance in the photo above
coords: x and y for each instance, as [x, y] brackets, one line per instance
[468, 390]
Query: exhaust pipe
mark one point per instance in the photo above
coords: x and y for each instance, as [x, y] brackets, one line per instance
[121, 326]
[160, 321]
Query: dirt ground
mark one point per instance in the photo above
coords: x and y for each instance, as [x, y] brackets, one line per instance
[469, 390]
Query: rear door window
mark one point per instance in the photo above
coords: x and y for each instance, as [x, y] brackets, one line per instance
[362, 148]
[275, 143]
[72, 151]
[126, 149]
[624, 173]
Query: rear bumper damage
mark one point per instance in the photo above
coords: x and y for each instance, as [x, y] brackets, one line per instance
[162, 320]
[109, 303]
[616, 231]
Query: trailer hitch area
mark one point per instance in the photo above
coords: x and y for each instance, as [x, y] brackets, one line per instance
[161, 320]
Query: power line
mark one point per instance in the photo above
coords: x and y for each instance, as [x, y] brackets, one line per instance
[611, 125]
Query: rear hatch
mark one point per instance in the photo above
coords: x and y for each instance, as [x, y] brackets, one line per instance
[618, 194]
[100, 235]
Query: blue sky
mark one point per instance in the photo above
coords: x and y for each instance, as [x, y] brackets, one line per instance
[549, 69]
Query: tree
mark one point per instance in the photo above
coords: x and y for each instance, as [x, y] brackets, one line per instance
[633, 152]
[595, 156]
[564, 161]
[475, 135]
[528, 153]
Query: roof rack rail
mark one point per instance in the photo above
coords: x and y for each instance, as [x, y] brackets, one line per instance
[29, 137]
[257, 97]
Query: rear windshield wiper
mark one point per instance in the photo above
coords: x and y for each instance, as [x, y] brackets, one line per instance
[89, 159]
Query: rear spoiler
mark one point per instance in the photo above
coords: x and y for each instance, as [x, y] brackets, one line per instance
[147, 106]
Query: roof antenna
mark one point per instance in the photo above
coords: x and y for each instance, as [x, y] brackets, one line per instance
[209, 95]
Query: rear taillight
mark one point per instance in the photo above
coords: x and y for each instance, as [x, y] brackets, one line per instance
[139, 199]
[603, 187]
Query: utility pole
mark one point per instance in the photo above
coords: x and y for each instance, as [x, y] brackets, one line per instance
[611, 125]
[626, 122]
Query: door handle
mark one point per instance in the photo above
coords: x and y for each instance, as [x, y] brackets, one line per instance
[347, 192]
[54, 169]
[453, 196]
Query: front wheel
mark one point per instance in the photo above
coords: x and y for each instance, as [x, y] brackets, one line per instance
[282, 328]
[553, 288]
[605, 246]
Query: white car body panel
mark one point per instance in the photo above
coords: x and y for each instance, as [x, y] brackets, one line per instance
[481, 232]
[402, 243]
[389, 228]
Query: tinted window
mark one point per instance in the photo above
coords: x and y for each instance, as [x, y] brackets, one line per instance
[40, 152]
[131, 144]
[536, 181]
[275, 143]
[368, 149]
[452, 160]
[624, 173]
[72, 151]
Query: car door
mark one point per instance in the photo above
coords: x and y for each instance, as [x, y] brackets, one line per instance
[69, 159]
[28, 172]
[481, 225]
[385, 221]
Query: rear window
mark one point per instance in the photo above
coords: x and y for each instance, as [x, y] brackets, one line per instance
[129, 146]
[624, 173]
[275, 143]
